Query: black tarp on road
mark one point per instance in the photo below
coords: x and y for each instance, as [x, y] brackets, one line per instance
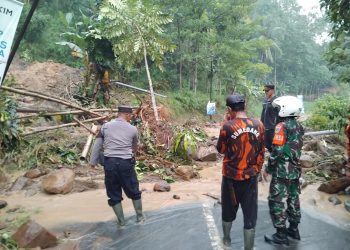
[198, 226]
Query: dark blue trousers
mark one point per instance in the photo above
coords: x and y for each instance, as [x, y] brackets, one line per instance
[120, 175]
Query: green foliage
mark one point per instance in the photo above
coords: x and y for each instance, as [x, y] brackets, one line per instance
[330, 112]
[35, 151]
[188, 101]
[295, 57]
[163, 175]
[147, 139]
[133, 28]
[339, 13]
[185, 143]
[9, 124]
[140, 168]
[7, 242]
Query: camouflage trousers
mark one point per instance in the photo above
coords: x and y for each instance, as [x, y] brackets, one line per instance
[284, 201]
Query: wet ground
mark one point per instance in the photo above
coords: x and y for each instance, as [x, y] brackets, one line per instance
[198, 226]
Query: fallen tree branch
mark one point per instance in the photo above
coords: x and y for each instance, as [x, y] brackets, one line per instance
[47, 98]
[88, 143]
[62, 126]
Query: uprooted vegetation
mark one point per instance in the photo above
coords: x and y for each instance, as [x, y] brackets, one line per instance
[48, 132]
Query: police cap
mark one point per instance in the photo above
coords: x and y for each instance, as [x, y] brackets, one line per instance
[124, 109]
[269, 86]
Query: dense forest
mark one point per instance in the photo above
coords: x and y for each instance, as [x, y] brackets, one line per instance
[206, 46]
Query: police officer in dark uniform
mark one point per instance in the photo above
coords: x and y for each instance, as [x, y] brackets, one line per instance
[269, 115]
[119, 140]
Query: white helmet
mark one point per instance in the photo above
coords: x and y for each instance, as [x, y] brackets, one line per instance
[288, 106]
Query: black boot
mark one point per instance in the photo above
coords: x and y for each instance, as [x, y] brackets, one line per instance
[293, 231]
[279, 238]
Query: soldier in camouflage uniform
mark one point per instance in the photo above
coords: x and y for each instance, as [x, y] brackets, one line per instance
[283, 165]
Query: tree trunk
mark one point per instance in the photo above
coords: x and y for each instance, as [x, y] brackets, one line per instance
[195, 77]
[275, 76]
[180, 74]
[154, 105]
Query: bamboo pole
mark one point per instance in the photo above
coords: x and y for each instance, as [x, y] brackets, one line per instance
[88, 143]
[62, 126]
[26, 93]
[83, 125]
[71, 112]
[136, 88]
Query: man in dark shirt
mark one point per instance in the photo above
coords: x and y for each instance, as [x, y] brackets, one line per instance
[241, 140]
[119, 140]
[269, 115]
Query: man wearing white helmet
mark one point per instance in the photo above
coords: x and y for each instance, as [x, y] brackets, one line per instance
[283, 165]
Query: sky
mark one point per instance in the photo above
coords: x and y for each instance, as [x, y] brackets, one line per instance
[307, 5]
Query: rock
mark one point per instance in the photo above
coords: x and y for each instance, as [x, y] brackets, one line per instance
[176, 197]
[334, 186]
[3, 178]
[34, 173]
[161, 187]
[347, 205]
[186, 172]
[31, 192]
[12, 210]
[334, 199]
[31, 234]
[20, 183]
[347, 190]
[3, 225]
[303, 183]
[59, 182]
[3, 204]
[206, 154]
[306, 161]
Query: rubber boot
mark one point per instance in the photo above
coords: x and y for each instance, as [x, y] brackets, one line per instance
[249, 236]
[226, 240]
[118, 210]
[138, 209]
[293, 231]
[279, 238]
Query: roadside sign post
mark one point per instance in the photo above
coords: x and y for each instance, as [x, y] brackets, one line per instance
[10, 12]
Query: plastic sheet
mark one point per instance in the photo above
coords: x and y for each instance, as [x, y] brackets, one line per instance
[189, 227]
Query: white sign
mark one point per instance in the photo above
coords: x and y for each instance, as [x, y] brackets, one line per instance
[10, 12]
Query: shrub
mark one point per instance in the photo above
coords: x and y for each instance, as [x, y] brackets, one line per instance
[330, 112]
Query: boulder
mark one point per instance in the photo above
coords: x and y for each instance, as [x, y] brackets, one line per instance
[334, 199]
[335, 186]
[34, 173]
[20, 183]
[186, 172]
[206, 154]
[347, 205]
[59, 182]
[3, 204]
[306, 161]
[31, 235]
[161, 187]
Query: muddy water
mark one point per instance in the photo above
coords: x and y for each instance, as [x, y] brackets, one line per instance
[91, 206]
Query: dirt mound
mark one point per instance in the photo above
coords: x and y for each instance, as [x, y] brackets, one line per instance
[47, 77]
